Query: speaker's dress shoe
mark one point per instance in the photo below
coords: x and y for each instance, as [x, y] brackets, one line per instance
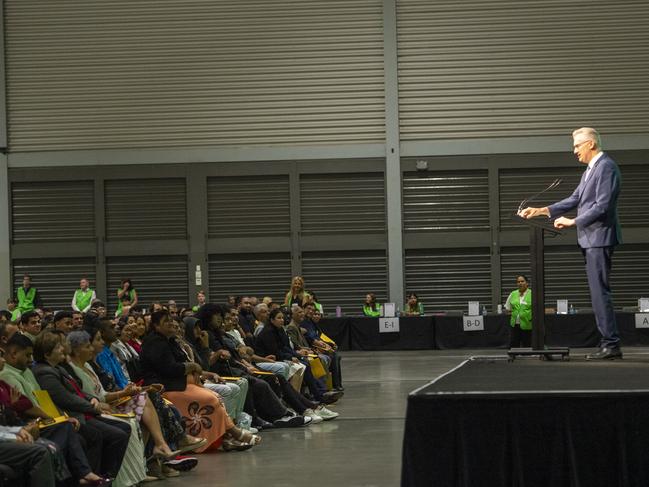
[605, 353]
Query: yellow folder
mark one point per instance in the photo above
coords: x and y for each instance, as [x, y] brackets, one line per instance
[47, 405]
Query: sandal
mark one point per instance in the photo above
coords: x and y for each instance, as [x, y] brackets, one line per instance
[246, 437]
[191, 443]
[159, 453]
[235, 445]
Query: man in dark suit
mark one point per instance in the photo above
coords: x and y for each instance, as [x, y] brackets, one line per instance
[598, 230]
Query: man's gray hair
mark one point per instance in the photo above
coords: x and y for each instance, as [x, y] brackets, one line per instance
[259, 307]
[587, 133]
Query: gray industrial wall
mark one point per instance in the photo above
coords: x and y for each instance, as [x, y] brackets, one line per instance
[263, 139]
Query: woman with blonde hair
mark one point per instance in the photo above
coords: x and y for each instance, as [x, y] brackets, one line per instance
[297, 294]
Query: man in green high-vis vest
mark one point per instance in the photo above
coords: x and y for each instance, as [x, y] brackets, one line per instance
[83, 297]
[27, 296]
[12, 307]
[519, 303]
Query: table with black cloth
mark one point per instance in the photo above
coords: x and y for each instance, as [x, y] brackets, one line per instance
[442, 332]
[362, 333]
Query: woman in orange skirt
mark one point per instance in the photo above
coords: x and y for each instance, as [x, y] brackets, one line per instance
[164, 361]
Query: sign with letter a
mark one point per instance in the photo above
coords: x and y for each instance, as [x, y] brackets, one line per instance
[642, 320]
[473, 323]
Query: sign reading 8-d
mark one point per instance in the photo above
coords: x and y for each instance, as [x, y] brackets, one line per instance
[388, 325]
[473, 323]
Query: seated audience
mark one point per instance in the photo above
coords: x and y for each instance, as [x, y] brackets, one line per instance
[164, 362]
[106, 439]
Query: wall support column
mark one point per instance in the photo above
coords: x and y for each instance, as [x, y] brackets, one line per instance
[197, 262]
[5, 242]
[392, 155]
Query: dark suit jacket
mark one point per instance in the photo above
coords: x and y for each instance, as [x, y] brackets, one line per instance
[163, 362]
[274, 341]
[57, 382]
[595, 198]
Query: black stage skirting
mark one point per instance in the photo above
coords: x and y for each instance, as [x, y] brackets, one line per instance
[530, 423]
[446, 332]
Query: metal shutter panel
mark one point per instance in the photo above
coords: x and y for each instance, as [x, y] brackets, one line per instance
[249, 275]
[342, 203]
[344, 278]
[240, 206]
[518, 184]
[145, 209]
[447, 279]
[445, 200]
[154, 278]
[565, 275]
[634, 198]
[175, 73]
[507, 68]
[55, 279]
[52, 210]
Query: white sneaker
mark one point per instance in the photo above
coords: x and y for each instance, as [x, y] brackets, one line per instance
[315, 419]
[325, 413]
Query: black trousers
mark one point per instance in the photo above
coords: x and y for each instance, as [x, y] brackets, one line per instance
[336, 371]
[110, 438]
[68, 441]
[292, 397]
[261, 400]
[316, 388]
[31, 461]
[520, 338]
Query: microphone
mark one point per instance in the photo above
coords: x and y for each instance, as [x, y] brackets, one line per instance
[524, 203]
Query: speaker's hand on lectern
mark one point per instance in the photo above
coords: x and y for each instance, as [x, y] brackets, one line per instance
[530, 212]
[563, 222]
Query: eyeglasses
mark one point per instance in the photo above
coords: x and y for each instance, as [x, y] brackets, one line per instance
[576, 146]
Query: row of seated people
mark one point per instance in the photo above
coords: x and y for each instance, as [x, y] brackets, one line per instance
[141, 392]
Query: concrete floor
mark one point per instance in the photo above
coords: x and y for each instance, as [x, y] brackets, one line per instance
[362, 448]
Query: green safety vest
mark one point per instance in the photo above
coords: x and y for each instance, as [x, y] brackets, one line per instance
[524, 311]
[289, 297]
[419, 310]
[82, 299]
[369, 311]
[15, 315]
[131, 295]
[26, 301]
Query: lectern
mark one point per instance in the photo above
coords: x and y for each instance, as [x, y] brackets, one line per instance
[539, 228]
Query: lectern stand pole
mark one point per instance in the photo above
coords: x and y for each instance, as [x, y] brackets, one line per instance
[538, 287]
[538, 228]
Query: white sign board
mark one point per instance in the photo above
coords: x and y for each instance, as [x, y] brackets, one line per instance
[642, 320]
[474, 308]
[389, 310]
[473, 323]
[388, 325]
[643, 305]
[562, 306]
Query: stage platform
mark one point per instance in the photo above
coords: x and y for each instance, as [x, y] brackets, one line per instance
[490, 422]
